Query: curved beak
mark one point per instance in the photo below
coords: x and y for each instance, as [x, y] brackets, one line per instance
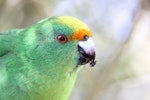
[86, 51]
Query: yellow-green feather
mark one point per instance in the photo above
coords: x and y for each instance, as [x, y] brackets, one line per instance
[73, 23]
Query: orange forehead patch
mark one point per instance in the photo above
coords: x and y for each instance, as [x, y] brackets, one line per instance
[79, 35]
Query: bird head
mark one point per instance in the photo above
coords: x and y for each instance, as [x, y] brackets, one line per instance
[76, 31]
[62, 41]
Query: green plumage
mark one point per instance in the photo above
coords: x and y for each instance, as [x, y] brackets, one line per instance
[34, 65]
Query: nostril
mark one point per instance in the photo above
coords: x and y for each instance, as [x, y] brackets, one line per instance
[86, 37]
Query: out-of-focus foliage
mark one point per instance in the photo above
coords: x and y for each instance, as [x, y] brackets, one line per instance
[121, 33]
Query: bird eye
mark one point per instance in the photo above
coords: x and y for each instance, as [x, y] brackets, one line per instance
[62, 38]
[85, 37]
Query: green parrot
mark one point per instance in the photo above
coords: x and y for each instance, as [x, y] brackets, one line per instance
[41, 62]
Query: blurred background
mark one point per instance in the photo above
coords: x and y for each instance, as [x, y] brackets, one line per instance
[121, 31]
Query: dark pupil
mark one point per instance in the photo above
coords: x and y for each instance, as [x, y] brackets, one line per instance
[62, 38]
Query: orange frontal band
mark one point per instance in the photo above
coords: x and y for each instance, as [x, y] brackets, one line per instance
[79, 35]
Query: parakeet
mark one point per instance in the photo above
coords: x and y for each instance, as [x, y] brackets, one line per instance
[41, 62]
